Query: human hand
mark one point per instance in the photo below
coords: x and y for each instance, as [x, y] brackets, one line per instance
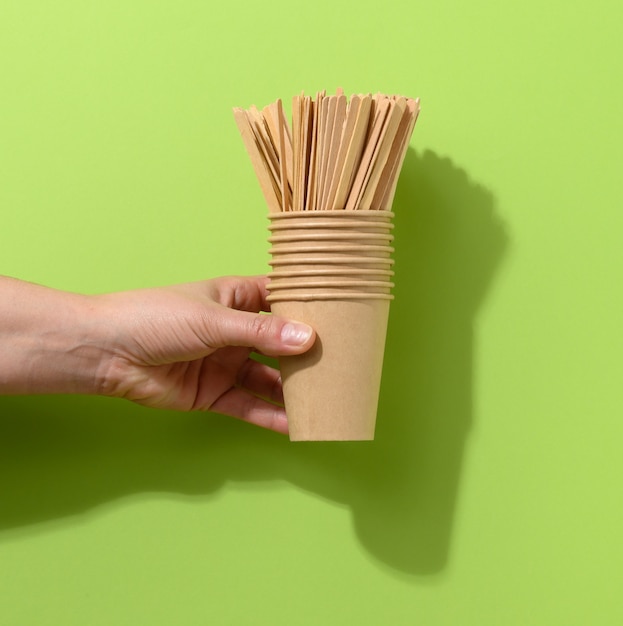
[185, 347]
[188, 347]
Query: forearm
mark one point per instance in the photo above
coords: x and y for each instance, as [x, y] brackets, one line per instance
[47, 341]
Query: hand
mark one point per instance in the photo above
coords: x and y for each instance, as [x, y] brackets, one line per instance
[188, 348]
[185, 347]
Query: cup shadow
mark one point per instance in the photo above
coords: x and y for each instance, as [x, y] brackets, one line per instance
[403, 487]
[63, 456]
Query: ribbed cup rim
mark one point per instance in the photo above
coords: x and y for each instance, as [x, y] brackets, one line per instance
[356, 236]
[345, 271]
[383, 215]
[332, 260]
[332, 224]
[345, 295]
[323, 240]
[332, 220]
[326, 247]
[346, 284]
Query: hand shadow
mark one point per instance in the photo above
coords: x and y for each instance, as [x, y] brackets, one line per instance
[62, 456]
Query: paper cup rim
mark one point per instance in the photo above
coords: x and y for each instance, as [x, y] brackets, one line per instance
[346, 284]
[343, 295]
[341, 248]
[332, 260]
[346, 237]
[331, 214]
[332, 225]
[354, 271]
[356, 236]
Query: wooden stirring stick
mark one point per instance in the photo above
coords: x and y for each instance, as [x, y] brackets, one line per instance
[268, 150]
[327, 115]
[353, 143]
[286, 198]
[297, 120]
[304, 154]
[382, 106]
[384, 203]
[275, 125]
[335, 139]
[382, 151]
[312, 189]
[337, 154]
[257, 160]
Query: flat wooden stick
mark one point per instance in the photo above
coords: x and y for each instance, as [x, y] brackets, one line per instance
[413, 108]
[345, 140]
[326, 128]
[271, 117]
[337, 154]
[383, 149]
[389, 168]
[310, 200]
[359, 117]
[306, 125]
[337, 131]
[381, 106]
[257, 160]
[296, 161]
[286, 198]
[264, 142]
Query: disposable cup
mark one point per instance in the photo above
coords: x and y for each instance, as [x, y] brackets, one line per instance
[340, 250]
[329, 263]
[366, 282]
[330, 217]
[356, 283]
[335, 227]
[331, 222]
[338, 214]
[325, 287]
[331, 392]
[342, 236]
[332, 270]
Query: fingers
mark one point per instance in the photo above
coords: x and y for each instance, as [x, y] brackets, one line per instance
[261, 380]
[268, 334]
[245, 293]
[242, 402]
[236, 322]
[245, 406]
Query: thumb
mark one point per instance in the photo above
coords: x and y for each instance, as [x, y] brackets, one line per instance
[269, 334]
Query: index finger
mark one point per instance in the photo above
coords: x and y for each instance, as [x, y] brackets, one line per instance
[244, 293]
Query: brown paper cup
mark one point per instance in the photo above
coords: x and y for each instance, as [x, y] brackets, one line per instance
[342, 236]
[335, 228]
[332, 270]
[329, 282]
[378, 249]
[347, 218]
[334, 223]
[325, 286]
[331, 266]
[331, 392]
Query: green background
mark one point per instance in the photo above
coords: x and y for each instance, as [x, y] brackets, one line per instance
[492, 494]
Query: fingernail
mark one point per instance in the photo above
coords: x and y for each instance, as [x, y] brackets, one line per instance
[295, 334]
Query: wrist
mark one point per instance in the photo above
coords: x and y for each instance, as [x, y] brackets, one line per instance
[49, 342]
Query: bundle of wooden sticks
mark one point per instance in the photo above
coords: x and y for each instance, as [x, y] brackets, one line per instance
[336, 154]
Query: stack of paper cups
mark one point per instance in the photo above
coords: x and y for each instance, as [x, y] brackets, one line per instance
[333, 270]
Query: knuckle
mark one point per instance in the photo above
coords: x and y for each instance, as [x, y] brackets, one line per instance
[262, 328]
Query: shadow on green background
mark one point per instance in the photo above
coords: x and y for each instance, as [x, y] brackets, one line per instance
[61, 456]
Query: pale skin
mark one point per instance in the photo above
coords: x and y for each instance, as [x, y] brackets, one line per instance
[185, 347]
